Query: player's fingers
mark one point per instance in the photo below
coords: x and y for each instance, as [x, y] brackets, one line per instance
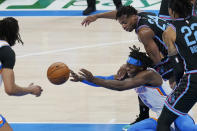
[83, 70]
[83, 22]
[83, 74]
[72, 80]
[72, 75]
[87, 23]
[31, 84]
[71, 71]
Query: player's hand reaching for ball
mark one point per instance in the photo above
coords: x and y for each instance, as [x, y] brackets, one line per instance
[75, 77]
[35, 89]
[88, 20]
[122, 72]
[87, 75]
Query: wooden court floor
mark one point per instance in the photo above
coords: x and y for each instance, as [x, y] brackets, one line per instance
[101, 48]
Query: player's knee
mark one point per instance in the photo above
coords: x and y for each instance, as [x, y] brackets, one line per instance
[162, 124]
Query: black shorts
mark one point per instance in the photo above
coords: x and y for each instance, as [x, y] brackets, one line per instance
[184, 96]
[165, 68]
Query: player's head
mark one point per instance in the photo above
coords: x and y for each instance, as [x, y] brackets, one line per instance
[182, 8]
[9, 31]
[137, 61]
[127, 17]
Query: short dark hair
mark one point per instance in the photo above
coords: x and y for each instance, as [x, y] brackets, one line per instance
[182, 7]
[126, 10]
[142, 56]
[9, 31]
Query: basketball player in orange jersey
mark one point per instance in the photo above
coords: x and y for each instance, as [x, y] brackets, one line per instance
[9, 34]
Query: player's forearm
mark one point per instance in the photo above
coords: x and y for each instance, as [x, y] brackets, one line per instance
[110, 84]
[172, 51]
[169, 37]
[155, 56]
[107, 15]
[19, 91]
[101, 77]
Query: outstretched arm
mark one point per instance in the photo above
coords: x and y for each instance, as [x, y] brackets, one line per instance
[12, 89]
[117, 85]
[7, 57]
[92, 18]
[77, 78]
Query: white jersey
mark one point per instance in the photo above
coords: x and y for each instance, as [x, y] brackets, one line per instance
[2, 44]
[154, 97]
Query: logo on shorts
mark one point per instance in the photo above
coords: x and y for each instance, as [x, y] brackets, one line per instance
[171, 99]
[161, 70]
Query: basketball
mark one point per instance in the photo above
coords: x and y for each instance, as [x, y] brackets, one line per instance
[58, 73]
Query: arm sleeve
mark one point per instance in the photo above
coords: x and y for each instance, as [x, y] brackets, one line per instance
[101, 77]
[7, 57]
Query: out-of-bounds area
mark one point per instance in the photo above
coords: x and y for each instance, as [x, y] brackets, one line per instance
[66, 7]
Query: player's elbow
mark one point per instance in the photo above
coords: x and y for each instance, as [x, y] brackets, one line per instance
[118, 88]
[9, 91]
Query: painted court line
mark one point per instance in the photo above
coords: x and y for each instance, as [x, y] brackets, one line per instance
[52, 12]
[74, 48]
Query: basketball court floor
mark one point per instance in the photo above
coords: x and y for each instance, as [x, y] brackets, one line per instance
[101, 48]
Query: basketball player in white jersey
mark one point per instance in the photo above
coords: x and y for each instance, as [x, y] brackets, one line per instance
[9, 34]
[146, 82]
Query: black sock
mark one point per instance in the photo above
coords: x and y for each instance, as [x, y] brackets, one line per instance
[144, 110]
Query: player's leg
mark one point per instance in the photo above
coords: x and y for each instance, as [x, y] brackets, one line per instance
[91, 7]
[4, 126]
[179, 102]
[144, 111]
[117, 3]
[165, 120]
[144, 114]
[185, 123]
[163, 11]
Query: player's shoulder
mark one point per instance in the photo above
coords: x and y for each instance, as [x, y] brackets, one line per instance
[145, 32]
[7, 51]
[149, 73]
[145, 14]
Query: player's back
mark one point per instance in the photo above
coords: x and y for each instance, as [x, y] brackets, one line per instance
[186, 41]
[157, 25]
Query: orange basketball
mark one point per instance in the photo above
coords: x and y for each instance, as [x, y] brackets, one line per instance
[58, 73]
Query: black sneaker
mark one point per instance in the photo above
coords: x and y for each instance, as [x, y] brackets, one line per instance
[139, 118]
[118, 6]
[89, 10]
